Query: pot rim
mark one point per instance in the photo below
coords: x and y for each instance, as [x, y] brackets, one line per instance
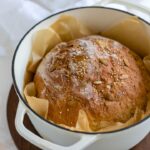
[23, 99]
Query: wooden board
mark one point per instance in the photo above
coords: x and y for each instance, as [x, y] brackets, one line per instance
[22, 144]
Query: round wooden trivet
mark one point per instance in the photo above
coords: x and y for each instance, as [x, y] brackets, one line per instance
[22, 144]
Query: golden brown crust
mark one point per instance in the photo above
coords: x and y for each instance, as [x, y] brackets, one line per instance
[96, 74]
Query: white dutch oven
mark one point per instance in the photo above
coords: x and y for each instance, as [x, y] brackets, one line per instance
[54, 136]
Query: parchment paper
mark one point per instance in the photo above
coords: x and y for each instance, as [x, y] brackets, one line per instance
[131, 32]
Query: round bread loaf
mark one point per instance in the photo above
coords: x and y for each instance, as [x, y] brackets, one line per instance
[96, 74]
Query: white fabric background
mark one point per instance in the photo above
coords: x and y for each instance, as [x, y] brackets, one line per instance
[16, 17]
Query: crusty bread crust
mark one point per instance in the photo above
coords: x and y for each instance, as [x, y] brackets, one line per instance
[99, 75]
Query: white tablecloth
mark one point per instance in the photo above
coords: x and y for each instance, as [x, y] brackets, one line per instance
[16, 17]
